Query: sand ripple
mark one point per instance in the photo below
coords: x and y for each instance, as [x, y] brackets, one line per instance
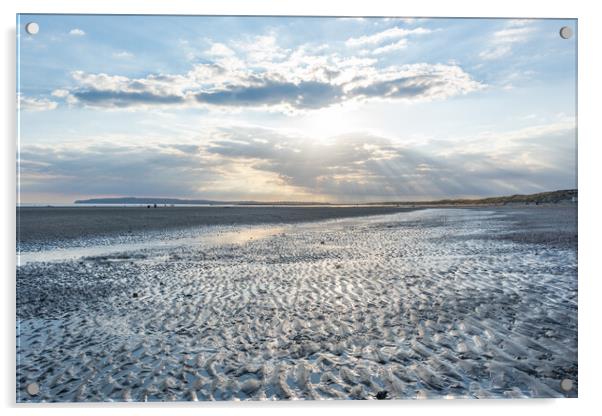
[411, 305]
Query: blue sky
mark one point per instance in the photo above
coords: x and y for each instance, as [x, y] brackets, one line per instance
[276, 108]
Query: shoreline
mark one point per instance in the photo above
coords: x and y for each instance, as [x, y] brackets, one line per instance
[38, 225]
[41, 225]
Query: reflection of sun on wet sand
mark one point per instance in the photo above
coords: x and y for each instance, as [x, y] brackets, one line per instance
[430, 303]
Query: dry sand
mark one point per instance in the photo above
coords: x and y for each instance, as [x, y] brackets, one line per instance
[425, 304]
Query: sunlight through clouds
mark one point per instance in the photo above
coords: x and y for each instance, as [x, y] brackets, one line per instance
[305, 109]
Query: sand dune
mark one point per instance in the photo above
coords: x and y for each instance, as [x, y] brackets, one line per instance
[426, 304]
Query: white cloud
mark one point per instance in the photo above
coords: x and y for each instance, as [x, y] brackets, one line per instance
[219, 49]
[513, 34]
[35, 104]
[353, 19]
[496, 52]
[400, 44]
[519, 22]
[60, 93]
[389, 34]
[123, 55]
[266, 76]
[77, 32]
[501, 41]
[283, 87]
[261, 49]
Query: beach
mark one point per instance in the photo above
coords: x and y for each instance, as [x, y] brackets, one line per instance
[41, 227]
[285, 303]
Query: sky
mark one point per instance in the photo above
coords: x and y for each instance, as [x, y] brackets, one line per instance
[313, 109]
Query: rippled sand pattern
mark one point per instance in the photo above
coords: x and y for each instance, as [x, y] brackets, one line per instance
[411, 305]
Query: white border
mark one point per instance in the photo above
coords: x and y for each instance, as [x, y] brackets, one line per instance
[589, 193]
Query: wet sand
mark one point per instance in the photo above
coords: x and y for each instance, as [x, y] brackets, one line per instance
[438, 303]
[62, 226]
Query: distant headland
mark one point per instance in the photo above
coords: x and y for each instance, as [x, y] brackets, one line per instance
[567, 195]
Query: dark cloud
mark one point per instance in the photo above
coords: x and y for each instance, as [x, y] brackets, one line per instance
[122, 99]
[105, 169]
[364, 167]
[356, 167]
[304, 95]
[314, 95]
[405, 87]
[302, 82]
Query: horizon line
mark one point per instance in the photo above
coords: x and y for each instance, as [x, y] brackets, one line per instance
[193, 201]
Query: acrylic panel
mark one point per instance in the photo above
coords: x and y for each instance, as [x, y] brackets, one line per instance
[282, 208]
